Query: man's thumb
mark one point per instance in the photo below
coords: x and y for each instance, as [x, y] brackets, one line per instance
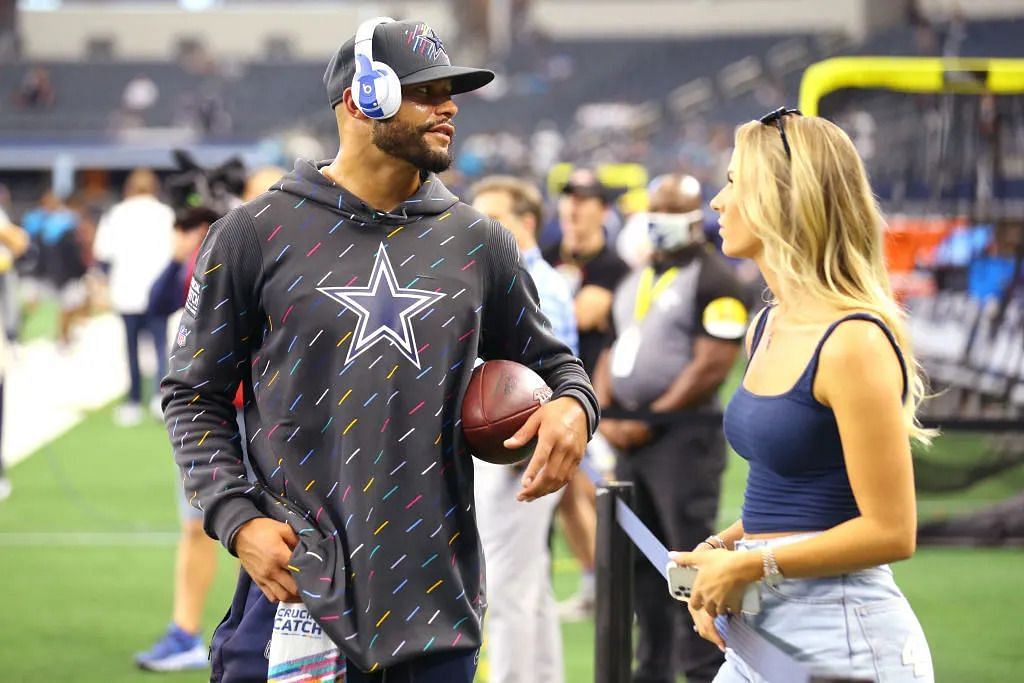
[288, 535]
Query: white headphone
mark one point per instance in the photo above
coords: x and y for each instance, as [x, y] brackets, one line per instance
[376, 89]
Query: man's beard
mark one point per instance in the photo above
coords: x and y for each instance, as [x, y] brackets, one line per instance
[408, 143]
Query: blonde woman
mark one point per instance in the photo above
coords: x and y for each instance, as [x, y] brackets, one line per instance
[824, 416]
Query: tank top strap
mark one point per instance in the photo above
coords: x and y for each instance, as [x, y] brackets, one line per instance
[759, 327]
[806, 381]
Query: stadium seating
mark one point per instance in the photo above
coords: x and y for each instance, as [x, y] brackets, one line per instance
[542, 82]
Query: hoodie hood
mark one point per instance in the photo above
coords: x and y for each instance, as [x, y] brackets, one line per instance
[307, 182]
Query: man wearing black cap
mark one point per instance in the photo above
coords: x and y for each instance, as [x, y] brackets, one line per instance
[351, 301]
[584, 257]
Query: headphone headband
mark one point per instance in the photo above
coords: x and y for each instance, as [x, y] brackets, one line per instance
[364, 36]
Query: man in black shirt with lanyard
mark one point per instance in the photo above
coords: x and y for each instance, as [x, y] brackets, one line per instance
[351, 302]
[679, 324]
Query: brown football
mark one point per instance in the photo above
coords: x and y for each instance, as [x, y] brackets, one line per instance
[501, 396]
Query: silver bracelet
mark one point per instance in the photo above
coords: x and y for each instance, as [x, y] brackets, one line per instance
[714, 537]
[770, 572]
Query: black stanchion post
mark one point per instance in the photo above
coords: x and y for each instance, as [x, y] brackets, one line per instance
[613, 651]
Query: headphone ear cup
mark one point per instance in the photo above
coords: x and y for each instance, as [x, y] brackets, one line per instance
[364, 86]
[389, 90]
[376, 89]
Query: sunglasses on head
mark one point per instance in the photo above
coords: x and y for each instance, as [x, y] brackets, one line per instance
[776, 118]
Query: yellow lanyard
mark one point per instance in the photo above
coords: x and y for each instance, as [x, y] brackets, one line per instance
[648, 290]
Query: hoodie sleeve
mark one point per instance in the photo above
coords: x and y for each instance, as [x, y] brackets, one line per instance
[514, 328]
[209, 356]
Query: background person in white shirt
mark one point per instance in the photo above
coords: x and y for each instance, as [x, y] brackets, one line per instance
[134, 239]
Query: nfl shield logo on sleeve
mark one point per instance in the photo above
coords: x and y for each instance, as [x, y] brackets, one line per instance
[183, 333]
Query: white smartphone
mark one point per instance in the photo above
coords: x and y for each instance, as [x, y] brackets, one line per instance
[680, 585]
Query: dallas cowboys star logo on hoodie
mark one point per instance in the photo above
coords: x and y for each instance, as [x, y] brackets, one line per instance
[385, 310]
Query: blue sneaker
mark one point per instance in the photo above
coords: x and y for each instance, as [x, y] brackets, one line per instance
[176, 651]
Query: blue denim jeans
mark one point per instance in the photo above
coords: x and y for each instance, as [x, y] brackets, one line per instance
[156, 327]
[857, 625]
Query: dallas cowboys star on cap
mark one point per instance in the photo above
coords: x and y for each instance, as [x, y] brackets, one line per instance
[415, 53]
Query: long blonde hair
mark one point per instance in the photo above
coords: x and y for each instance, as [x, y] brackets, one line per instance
[821, 228]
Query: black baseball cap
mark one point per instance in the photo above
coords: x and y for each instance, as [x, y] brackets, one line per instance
[415, 53]
[584, 183]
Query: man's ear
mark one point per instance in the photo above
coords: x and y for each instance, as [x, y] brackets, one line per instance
[349, 106]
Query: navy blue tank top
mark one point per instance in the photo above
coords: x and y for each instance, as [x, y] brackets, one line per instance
[797, 479]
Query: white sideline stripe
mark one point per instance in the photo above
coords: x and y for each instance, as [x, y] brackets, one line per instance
[47, 391]
[58, 539]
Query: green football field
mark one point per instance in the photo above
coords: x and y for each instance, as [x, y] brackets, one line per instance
[87, 547]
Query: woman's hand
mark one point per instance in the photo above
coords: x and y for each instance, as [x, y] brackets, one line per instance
[704, 625]
[722, 576]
